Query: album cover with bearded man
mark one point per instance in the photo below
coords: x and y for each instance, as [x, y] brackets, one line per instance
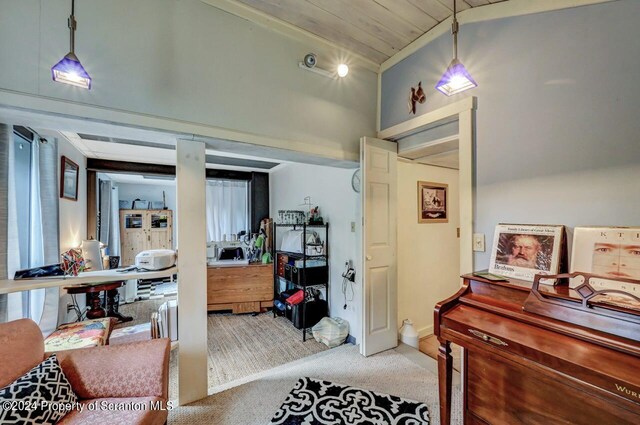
[521, 251]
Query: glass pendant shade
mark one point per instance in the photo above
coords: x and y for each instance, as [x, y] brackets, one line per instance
[70, 71]
[456, 79]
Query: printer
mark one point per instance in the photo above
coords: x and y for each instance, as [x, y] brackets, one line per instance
[156, 259]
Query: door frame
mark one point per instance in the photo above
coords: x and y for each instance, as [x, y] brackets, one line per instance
[465, 112]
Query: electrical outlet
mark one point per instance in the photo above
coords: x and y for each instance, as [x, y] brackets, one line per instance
[353, 227]
[478, 242]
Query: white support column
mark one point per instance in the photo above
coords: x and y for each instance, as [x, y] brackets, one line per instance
[192, 271]
[466, 127]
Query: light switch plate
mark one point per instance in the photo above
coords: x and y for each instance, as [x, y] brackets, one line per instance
[478, 242]
[353, 226]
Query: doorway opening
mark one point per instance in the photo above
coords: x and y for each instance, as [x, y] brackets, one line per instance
[432, 159]
[127, 183]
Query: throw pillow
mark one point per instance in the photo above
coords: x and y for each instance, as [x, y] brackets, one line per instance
[41, 396]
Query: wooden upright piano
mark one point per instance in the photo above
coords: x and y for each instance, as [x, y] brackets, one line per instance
[539, 355]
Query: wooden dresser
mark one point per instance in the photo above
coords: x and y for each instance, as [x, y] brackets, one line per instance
[525, 368]
[242, 289]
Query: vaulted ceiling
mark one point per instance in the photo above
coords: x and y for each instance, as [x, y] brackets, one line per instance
[374, 29]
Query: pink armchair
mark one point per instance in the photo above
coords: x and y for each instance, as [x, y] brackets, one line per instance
[134, 375]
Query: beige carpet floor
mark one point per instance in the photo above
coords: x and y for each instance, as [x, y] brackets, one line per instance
[253, 400]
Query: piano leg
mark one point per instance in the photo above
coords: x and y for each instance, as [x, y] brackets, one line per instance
[445, 368]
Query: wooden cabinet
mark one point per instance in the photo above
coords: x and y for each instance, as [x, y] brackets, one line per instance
[526, 368]
[141, 230]
[242, 289]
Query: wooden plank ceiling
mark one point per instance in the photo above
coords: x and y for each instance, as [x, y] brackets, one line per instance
[375, 29]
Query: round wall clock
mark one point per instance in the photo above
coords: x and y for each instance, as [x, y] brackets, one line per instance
[355, 181]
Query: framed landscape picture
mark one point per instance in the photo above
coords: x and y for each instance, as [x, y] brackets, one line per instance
[432, 202]
[521, 251]
[69, 171]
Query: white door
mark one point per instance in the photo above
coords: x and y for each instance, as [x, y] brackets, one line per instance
[379, 210]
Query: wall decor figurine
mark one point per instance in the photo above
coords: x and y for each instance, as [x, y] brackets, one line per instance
[417, 96]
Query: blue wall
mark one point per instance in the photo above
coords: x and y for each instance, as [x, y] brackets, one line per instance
[558, 119]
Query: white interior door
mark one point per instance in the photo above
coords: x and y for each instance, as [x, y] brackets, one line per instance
[379, 211]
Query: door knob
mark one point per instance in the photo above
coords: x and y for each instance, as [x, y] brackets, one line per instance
[369, 258]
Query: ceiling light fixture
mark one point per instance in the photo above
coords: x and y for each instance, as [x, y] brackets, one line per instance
[456, 78]
[343, 70]
[69, 70]
[310, 62]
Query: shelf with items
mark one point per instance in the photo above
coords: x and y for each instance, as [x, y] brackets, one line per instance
[302, 265]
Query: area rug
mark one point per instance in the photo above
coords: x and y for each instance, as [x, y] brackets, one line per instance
[317, 402]
[254, 399]
[156, 289]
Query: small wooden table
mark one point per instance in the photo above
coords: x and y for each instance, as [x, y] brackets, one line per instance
[96, 310]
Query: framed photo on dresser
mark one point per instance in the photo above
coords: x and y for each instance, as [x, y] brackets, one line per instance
[521, 251]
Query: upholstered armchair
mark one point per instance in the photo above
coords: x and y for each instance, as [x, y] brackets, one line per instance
[136, 373]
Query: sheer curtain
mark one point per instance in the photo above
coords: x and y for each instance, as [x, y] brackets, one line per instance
[5, 143]
[40, 305]
[227, 208]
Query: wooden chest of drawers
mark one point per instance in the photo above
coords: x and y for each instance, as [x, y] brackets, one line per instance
[243, 289]
[523, 368]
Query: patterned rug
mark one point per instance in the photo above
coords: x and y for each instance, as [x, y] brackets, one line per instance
[316, 402]
[158, 289]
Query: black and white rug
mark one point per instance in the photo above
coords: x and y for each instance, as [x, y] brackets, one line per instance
[316, 402]
[156, 289]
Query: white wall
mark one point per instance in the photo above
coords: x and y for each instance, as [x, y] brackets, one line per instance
[73, 217]
[188, 61]
[557, 120]
[428, 253]
[330, 189]
[151, 192]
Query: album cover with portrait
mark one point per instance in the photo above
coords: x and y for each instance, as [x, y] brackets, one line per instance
[521, 251]
[607, 251]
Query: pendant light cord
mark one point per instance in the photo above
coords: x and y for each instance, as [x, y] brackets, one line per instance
[454, 31]
[72, 26]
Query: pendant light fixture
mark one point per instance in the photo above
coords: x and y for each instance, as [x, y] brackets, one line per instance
[69, 70]
[456, 78]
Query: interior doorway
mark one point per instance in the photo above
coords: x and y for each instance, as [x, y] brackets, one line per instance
[435, 146]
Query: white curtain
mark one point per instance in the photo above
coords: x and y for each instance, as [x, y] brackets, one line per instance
[227, 208]
[40, 305]
[114, 223]
[5, 143]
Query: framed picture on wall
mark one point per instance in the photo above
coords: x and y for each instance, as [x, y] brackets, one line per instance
[69, 172]
[432, 202]
[521, 251]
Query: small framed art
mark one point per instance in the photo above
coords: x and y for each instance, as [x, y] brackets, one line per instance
[69, 171]
[432, 202]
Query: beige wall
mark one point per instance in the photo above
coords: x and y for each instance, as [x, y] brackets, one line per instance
[73, 218]
[428, 254]
[73, 214]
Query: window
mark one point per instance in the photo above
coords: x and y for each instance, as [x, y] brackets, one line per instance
[227, 208]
